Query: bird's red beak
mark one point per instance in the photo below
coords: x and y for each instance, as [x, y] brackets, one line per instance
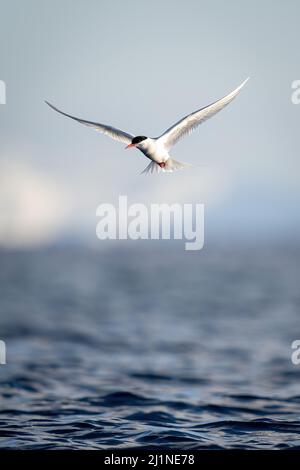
[130, 145]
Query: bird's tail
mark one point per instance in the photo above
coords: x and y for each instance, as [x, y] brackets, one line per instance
[170, 166]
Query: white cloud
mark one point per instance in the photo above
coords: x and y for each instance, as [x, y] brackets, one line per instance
[33, 206]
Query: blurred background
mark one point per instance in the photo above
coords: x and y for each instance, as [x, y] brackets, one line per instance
[141, 67]
[142, 344]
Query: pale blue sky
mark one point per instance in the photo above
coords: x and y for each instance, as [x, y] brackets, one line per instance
[141, 66]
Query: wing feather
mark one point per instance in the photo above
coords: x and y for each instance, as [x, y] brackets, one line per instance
[112, 132]
[187, 124]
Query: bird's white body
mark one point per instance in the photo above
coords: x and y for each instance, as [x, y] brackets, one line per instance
[157, 148]
[154, 149]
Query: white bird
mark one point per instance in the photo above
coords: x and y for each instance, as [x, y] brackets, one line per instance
[157, 148]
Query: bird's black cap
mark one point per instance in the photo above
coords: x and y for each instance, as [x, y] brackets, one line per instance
[138, 139]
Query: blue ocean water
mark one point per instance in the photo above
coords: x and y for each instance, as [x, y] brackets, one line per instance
[150, 348]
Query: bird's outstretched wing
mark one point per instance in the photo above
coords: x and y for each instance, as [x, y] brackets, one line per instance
[190, 122]
[112, 132]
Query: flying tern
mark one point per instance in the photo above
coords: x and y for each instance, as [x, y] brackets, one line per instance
[157, 148]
